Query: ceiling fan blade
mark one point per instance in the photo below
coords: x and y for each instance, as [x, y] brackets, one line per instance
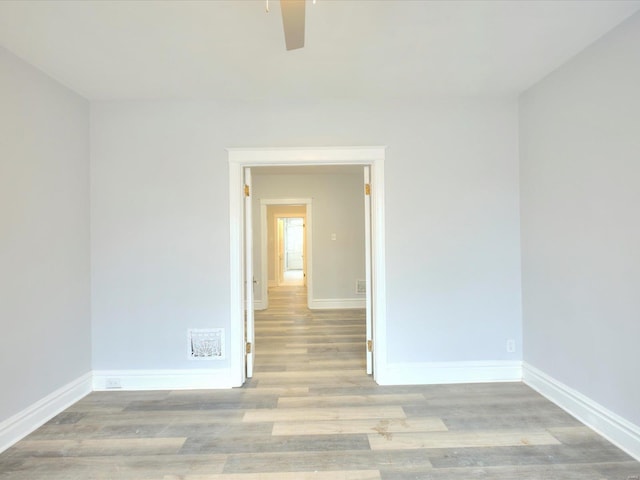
[293, 22]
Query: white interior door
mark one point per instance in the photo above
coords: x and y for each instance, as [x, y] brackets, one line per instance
[304, 250]
[248, 275]
[280, 248]
[367, 266]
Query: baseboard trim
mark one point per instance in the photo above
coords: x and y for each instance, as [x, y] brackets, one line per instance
[259, 305]
[188, 379]
[336, 303]
[449, 372]
[20, 425]
[613, 427]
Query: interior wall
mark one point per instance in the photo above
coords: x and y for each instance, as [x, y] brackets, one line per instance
[159, 233]
[44, 236]
[337, 208]
[273, 211]
[580, 146]
[160, 220]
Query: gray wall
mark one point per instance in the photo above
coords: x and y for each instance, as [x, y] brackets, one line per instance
[337, 207]
[44, 236]
[160, 220]
[159, 234]
[580, 182]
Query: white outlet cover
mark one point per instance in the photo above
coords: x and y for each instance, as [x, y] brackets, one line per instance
[112, 383]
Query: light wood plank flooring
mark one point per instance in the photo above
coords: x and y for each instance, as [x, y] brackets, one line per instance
[311, 413]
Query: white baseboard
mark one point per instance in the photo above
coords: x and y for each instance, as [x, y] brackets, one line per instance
[259, 305]
[191, 379]
[612, 426]
[449, 372]
[336, 303]
[20, 425]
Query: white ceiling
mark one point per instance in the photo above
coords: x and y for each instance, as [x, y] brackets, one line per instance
[233, 50]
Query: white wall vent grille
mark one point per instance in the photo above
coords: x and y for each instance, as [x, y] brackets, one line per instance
[361, 287]
[206, 343]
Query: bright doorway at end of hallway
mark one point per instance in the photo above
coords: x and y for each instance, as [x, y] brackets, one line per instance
[285, 244]
[290, 247]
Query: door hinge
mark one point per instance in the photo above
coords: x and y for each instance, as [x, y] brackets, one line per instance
[367, 189]
[369, 345]
[246, 190]
[248, 347]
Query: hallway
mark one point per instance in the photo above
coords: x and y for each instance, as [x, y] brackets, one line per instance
[294, 343]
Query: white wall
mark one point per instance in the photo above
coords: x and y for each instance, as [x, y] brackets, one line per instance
[337, 208]
[45, 342]
[160, 234]
[580, 181]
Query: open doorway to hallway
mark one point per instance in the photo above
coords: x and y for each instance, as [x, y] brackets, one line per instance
[326, 322]
[284, 242]
[241, 162]
[271, 262]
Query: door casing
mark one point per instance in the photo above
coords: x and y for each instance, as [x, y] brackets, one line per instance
[264, 203]
[250, 157]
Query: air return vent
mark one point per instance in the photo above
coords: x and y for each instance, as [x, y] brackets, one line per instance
[205, 344]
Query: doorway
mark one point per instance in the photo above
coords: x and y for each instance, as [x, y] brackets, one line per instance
[240, 237]
[290, 250]
[271, 264]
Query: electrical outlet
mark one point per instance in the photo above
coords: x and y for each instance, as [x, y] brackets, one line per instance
[511, 345]
[112, 383]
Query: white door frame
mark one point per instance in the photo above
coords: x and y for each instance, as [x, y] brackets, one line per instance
[264, 203]
[368, 271]
[254, 157]
[248, 341]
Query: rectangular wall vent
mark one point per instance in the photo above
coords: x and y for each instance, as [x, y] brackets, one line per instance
[205, 343]
[361, 287]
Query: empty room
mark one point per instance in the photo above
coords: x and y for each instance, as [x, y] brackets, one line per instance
[319, 239]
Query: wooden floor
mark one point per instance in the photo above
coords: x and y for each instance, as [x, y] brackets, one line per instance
[311, 412]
